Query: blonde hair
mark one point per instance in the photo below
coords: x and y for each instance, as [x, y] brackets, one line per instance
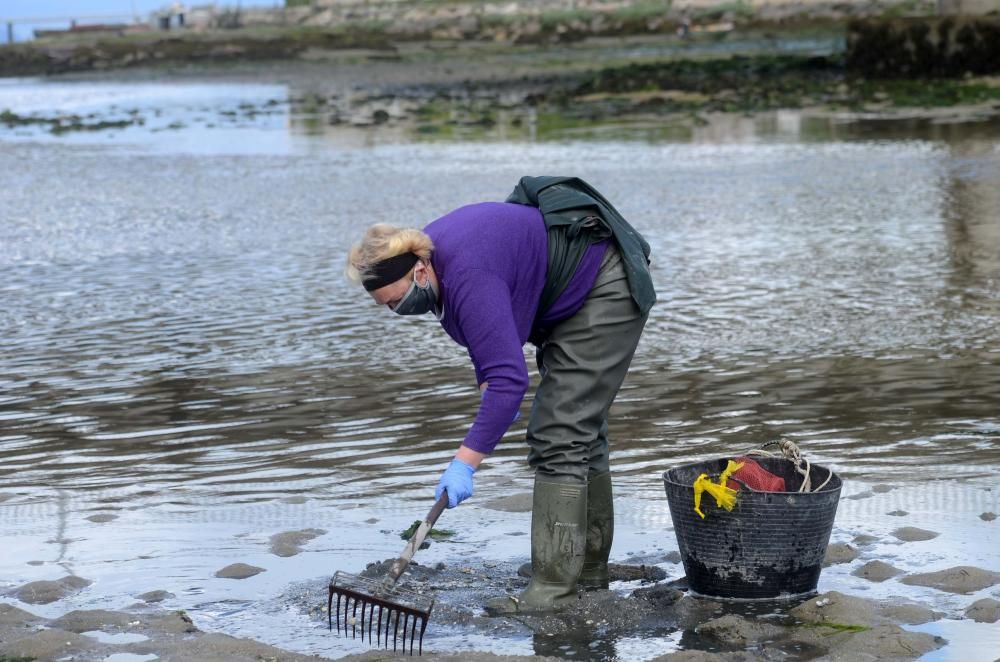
[382, 241]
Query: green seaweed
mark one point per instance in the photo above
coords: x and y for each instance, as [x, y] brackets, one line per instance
[839, 627]
[436, 534]
[737, 9]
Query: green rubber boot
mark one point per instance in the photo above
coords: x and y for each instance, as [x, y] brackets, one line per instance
[558, 541]
[600, 532]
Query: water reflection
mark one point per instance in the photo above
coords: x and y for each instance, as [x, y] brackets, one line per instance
[309, 117]
[857, 314]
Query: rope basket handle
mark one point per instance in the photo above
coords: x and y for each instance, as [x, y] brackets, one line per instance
[788, 450]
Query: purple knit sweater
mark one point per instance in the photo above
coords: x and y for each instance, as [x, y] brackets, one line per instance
[490, 259]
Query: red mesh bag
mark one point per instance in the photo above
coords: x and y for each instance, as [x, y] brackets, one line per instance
[755, 477]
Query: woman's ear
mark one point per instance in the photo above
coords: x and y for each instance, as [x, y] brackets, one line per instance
[421, 270]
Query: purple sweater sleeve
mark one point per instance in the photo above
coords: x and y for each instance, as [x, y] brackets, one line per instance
[481, 300]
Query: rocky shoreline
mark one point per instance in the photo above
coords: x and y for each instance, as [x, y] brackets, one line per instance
[432, 96]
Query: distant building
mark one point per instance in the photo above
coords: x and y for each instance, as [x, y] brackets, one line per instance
[179, 16]
[171, 17]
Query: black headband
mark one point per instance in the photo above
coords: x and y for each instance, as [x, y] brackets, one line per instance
[388, 271]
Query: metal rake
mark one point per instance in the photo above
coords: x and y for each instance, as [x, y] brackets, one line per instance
[358, 597]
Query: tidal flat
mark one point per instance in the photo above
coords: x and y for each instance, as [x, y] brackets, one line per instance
[201, 420]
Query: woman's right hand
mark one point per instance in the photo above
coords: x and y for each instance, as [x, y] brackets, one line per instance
[457, 480]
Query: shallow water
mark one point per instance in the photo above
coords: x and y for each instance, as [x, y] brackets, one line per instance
[180, 349]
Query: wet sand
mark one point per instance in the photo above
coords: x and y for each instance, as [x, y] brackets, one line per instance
[830, 624]
[908, 616]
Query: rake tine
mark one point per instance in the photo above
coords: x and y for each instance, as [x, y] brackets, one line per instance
[347, 606]
[413, 632]
[423, 627]
[354, 615]
[342, 617]
[363, 605]
[371, 622]
[329, 609]
[378, 630]
[406, 619]
[338, 614]
[388, 620]
[395, 633]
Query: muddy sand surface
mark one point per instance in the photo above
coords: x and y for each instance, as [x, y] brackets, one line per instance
[830, 624]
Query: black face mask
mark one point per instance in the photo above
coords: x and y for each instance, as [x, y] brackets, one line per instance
[418, 300]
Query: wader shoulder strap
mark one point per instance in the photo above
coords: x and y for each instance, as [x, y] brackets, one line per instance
[576, 215]
[570, 233]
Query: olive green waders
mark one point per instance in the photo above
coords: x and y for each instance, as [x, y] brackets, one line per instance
[582, 363]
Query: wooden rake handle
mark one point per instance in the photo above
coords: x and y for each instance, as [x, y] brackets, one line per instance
[416, 540]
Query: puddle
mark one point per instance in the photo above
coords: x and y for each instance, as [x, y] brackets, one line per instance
[115, 637]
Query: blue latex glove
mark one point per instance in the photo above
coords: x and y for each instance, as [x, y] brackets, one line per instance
[457, 479]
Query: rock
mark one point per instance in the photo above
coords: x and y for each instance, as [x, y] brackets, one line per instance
[898, 513]
[693, 656]
[876, 571]
[988, 516]
[239, 571]
[865, 539]
[660, 596]
[910, 614]
[952, 45]
[155, 596]
[627, 573]
[885, 642]
[882, 488]
[290, 543]
[45, 591]
[960, 579]
[177, 622]
[11, 615]
[93, 619]
[913, 534]
[514, 503]
[839, 553]
[102, 517]
[738, 632]
[294, 500]
[986, 610]
[835, 607]
[49, 644]
[213, 646]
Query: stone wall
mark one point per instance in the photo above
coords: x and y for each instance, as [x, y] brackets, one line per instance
[913, 48]
[330, 13]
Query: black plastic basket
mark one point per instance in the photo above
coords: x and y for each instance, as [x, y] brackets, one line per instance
[770, 546]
